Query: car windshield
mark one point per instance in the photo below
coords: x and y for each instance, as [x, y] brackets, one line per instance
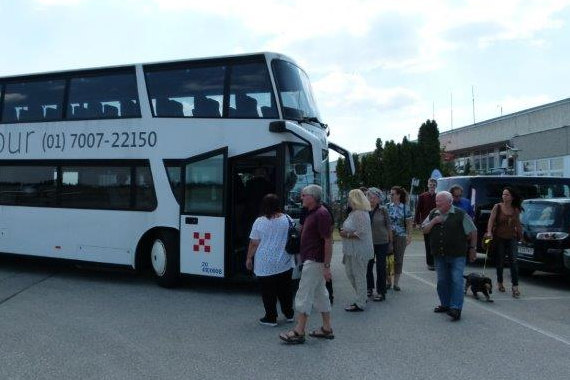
[542, 214]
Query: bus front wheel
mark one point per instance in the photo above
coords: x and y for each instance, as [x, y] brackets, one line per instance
[165, 259]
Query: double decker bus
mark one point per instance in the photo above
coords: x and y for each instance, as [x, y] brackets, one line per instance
[159, 165]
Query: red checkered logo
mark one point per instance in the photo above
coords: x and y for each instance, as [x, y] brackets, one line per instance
[202, 243]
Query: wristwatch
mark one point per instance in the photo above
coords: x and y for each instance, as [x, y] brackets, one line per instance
[327, 265]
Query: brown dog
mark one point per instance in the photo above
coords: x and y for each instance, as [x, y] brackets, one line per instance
[479, 283]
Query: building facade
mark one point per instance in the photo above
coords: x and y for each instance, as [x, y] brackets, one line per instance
[534, 142]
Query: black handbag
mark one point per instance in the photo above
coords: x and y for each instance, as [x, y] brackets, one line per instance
[293, 245]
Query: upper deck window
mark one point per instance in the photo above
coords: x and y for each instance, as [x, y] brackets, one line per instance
[251, 93]
[90, 96]
[33, 101]
[103, 96]
[226, 89]
[187, 92]
[295, 92]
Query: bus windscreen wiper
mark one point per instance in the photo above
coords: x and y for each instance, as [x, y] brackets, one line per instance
[313, 120]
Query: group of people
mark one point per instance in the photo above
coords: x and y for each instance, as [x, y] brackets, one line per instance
[450, 234]
[371, 233]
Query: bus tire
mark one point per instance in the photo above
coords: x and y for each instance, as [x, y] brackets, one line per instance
[165, 258]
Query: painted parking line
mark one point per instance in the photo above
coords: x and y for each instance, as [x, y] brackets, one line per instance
[505, 316]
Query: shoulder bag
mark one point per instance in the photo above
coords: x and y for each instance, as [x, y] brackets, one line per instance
[293, 245]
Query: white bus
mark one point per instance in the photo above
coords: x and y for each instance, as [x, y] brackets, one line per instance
[158, 165]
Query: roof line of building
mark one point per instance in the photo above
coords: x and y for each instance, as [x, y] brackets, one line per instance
[519, 113]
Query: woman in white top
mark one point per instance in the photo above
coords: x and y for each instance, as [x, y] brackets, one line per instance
[273, 265]
[357, 247]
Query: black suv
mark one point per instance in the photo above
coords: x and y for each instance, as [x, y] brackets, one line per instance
[546, 241]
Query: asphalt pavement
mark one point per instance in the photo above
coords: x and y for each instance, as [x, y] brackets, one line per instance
[67, 322]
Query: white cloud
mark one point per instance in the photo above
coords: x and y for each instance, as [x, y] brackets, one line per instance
[343, 90]
[58, 2]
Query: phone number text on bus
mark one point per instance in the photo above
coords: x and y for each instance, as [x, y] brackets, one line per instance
[24, 142]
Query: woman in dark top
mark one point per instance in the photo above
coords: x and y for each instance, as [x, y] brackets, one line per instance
[381, 237]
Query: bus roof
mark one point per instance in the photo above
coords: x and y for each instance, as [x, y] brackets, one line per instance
[258, 55]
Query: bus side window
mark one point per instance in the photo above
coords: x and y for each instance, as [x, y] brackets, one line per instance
[246, 106]
[98, 96]
[268, 112]
[24, 101]
[51, 113]
[145, 199]
[206, 107]
[110, 111]
[129, 107]
[169, 108]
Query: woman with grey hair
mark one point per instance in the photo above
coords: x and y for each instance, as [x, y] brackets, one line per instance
[357, 247]
[381, 238]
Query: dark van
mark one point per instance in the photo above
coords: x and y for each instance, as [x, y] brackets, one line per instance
[485, 191]
[546, 242]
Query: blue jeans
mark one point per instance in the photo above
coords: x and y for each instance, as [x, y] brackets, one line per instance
[450, 280]
[504, 247]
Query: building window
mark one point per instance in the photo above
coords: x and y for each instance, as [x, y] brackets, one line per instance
[528, 166]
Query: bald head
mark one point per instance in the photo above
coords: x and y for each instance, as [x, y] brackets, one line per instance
[443, 201]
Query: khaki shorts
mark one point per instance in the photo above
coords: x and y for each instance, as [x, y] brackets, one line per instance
[312, 291]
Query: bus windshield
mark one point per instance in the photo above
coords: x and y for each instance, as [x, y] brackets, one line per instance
[297, 101]
[299, 173]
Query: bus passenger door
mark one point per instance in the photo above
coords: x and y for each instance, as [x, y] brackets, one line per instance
[203, 214]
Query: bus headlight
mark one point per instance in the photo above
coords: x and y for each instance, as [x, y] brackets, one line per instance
[551, 235]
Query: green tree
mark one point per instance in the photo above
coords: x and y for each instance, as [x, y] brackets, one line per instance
[429, 150]
[346, 181]
[391, 164]
[408, 163]
[371, 166]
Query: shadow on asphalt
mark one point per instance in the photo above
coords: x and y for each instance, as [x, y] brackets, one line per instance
[94, 272]
[542, 279]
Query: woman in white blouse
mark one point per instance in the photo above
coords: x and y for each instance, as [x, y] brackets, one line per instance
[357, 247]
[273, 265]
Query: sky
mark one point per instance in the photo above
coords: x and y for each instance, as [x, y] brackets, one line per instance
[379, 69]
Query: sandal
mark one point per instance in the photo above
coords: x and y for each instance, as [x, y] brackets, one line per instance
[369, 293]
[501, 287]
[322, 333]
[353, 307]
[292, 337]
[516, 292]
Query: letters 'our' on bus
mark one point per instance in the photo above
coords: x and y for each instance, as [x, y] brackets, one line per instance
[159, 165]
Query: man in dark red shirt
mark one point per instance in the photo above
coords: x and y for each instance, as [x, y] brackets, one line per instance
[316, 254]
[426, 203]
